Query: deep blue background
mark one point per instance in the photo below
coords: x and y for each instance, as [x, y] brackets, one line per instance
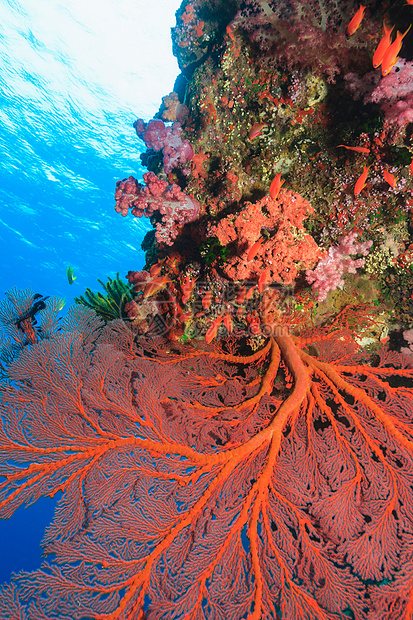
[69, 93]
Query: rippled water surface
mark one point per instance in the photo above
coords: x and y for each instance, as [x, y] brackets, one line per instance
[74, 76]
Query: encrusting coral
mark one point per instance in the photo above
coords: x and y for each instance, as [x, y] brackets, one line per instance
[285, 247]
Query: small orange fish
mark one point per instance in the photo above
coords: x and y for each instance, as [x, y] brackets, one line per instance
[187, 286]
[390, 178]
[358, 149]
[254, 249]
[250, 293]
[356, 21]
[155, 270]
[155, 285]
[213, 328]
[256, 130]
[411, 166]
[229, 326]
[275, 186]
[361, 181]
[241, 295]
[391, 56]
[206, 300]
[383, 46]
[185, 316]
[262, 281]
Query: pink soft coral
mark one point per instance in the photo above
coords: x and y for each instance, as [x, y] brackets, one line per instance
[176, 207]
[394, 93]
[305, 35]
[328, 275]
[156, 135]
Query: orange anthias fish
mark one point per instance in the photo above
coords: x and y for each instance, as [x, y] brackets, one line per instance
[357, 149]
[262, 281]
[383, 46]
[187, 286]
[275, 186]
[356, 21]
[212, 330]
[229, 326]
[155, 270]
[155, 285]
[206, 300]
[255, 130]
[254, 249]
[361, 181]
[391, 56]
[390, 178]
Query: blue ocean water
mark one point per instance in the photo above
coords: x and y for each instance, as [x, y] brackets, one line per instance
[74, 76]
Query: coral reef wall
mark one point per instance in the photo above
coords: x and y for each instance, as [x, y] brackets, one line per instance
[278, 102]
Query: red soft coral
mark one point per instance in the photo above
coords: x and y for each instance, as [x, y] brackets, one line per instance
[176, 207]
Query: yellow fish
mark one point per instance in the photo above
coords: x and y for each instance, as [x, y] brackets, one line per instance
[70, 277]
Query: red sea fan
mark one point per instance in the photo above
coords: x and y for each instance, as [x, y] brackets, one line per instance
[209, 484]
